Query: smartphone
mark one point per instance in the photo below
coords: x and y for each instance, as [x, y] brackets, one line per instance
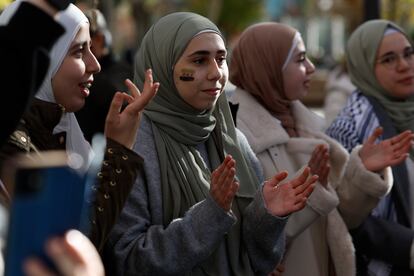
[47, 201]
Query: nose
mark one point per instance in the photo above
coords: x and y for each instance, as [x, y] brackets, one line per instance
[403, 64]
[310, 68]
[214, 71]
[92, 64]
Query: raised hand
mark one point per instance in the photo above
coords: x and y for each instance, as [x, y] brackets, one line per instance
[389, 152]
[223, 187]
[73, 255]
[122, 126]
[319, 163]
[284, 199]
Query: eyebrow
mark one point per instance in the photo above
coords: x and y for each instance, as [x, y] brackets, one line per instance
[393, 53]
[205, 53]
[78, 45]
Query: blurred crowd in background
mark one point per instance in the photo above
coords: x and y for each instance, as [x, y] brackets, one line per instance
[325, 24]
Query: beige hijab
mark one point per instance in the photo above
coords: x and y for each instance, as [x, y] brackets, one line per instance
[256, 67]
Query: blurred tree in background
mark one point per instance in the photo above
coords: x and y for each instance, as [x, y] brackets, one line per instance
[4, 3]
[317, 19]
[399, 11]
[232, 16]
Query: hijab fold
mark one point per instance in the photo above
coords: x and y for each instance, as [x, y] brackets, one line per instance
[256, 67]
[178, 130]
[361, 55]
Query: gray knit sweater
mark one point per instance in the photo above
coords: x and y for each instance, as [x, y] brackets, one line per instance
[139, 244]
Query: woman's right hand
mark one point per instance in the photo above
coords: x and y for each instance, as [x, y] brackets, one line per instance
[122, 125]
[223, 187]
[389, 152]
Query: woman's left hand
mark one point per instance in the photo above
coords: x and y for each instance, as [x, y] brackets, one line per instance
[284, 199]
[122, 126]
[319, 163]
[389, 152]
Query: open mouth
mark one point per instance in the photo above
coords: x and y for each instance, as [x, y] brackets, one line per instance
[85, 86]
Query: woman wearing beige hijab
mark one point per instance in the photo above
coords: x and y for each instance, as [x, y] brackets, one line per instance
[270, 68]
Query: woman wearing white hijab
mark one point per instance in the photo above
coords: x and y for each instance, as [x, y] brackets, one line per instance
[50, 124]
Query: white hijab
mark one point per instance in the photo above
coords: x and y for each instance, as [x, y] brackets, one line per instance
[71, 19]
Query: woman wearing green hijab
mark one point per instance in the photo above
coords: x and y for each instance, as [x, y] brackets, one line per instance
[198, 208]
[381, 64]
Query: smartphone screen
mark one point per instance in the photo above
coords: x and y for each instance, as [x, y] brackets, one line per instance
[47, 202]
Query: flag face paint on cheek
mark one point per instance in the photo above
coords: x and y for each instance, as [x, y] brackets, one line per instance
[187, 75]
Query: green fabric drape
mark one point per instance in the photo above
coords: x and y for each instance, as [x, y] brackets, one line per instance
[179, 128]
[361, 58]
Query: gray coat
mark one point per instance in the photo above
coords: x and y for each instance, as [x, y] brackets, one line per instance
[139, 244]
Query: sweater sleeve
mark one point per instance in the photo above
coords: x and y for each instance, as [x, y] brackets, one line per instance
[140, 243]
[138, 246]
[263, 235]
[360, 190]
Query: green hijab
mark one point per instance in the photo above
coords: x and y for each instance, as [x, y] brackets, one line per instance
[361, 58]
[178, 129]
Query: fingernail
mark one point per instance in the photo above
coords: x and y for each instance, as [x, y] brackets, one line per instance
[74, 238]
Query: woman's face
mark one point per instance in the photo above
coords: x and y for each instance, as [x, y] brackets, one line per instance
[296, 76]
[394, 68]
[75, 75]
[201, 72]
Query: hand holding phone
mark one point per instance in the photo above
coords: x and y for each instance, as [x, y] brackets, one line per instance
[73, 254]
[47, 201]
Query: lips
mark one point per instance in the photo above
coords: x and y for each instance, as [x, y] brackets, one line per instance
[212, 91]
[407, 81]
[85, 86]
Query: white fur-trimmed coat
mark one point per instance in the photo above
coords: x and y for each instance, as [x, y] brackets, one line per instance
[319, 232]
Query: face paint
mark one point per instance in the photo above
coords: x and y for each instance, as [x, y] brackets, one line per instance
[187, 75]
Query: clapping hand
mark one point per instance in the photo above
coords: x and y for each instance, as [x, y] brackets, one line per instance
[284, 199]
[122, 126]
[223, 187]
[389, 152]
[319, 163]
